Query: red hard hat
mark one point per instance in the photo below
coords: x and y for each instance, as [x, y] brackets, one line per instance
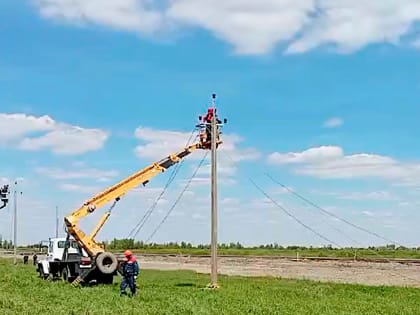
[128, 253]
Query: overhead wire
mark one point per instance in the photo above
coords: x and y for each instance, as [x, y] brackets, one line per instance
[291, 215]
[327, 212]
[330, 213]
[133, 233]
[317, 233]
[285, 210]
[148, 213]
[179, 198]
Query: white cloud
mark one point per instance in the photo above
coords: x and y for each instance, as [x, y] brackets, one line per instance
[372, 195]
[416, 43]
[312, 155]
[69, 140]
[252, 27]
[15, 126]
[79, 188]
[198, 216]
[352, 25]
[194, 182]
[79, 173]
[333, 122]
[368, 213]
[33, 133]
[281, 190]
[127, 15]
[331, 162]
[157, 144]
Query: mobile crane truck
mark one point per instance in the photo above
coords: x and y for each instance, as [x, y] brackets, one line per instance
[78, 258]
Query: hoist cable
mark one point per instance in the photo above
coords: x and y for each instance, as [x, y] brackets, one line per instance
[149, 212]
[179, 197]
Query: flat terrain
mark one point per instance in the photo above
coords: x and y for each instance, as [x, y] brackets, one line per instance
[183, 292]
[359, 272]
[340, 271]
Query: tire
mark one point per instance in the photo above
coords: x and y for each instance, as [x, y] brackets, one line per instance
[41, 272]
[107, 263]
[65, 275]
[107, 279]
[120, 268]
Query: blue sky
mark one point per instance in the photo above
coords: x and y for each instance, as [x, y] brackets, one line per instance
[91, 91]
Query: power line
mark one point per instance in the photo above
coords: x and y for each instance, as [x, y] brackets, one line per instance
[292, 216]
[179, 197]
[285, 210]
[149, 212]
[329, 213]
[370, 250]
[317, 233]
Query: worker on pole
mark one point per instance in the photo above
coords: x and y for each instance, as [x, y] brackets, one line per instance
[206, 122]
[130, 271]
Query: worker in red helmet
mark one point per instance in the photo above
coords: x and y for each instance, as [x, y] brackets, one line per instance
[130, 271]
[208, 119]
[209, 116]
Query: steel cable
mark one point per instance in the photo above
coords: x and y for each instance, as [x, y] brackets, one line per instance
[179, 197]
[149, 212]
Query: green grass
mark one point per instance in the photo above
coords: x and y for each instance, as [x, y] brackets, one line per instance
[181, 292]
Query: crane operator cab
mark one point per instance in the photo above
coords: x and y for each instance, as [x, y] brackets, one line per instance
[205, 126]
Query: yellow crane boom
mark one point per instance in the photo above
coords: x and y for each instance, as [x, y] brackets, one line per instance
[114, 193]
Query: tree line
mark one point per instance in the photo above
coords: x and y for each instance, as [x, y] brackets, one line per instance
[121, 244]
[5, 244]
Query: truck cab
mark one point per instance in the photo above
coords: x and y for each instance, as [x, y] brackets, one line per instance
[64, 259]
[56, 248]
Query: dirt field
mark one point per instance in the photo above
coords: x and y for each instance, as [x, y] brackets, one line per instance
[334, 271]
[359, 272]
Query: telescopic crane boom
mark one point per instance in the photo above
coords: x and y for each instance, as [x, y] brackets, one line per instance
[114, 193]
[68, 261]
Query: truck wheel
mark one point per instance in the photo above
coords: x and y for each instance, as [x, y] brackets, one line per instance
[107, 279]
[41, 273]
[107, 263]
[120, 268]
[65, 274]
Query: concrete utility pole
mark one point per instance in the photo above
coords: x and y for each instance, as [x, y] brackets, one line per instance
[15, 226]
[56, 221]
[213, 283]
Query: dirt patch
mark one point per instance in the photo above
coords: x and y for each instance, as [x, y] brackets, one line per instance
[341, 271]
[356, 272]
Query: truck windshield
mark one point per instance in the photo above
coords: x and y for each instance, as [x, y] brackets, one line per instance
[61, 244]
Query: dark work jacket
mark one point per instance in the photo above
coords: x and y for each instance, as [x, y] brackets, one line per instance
[131, 267]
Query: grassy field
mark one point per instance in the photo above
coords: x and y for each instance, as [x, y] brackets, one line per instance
[182, 292]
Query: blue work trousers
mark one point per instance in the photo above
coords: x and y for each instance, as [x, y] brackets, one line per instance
[128, 282]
